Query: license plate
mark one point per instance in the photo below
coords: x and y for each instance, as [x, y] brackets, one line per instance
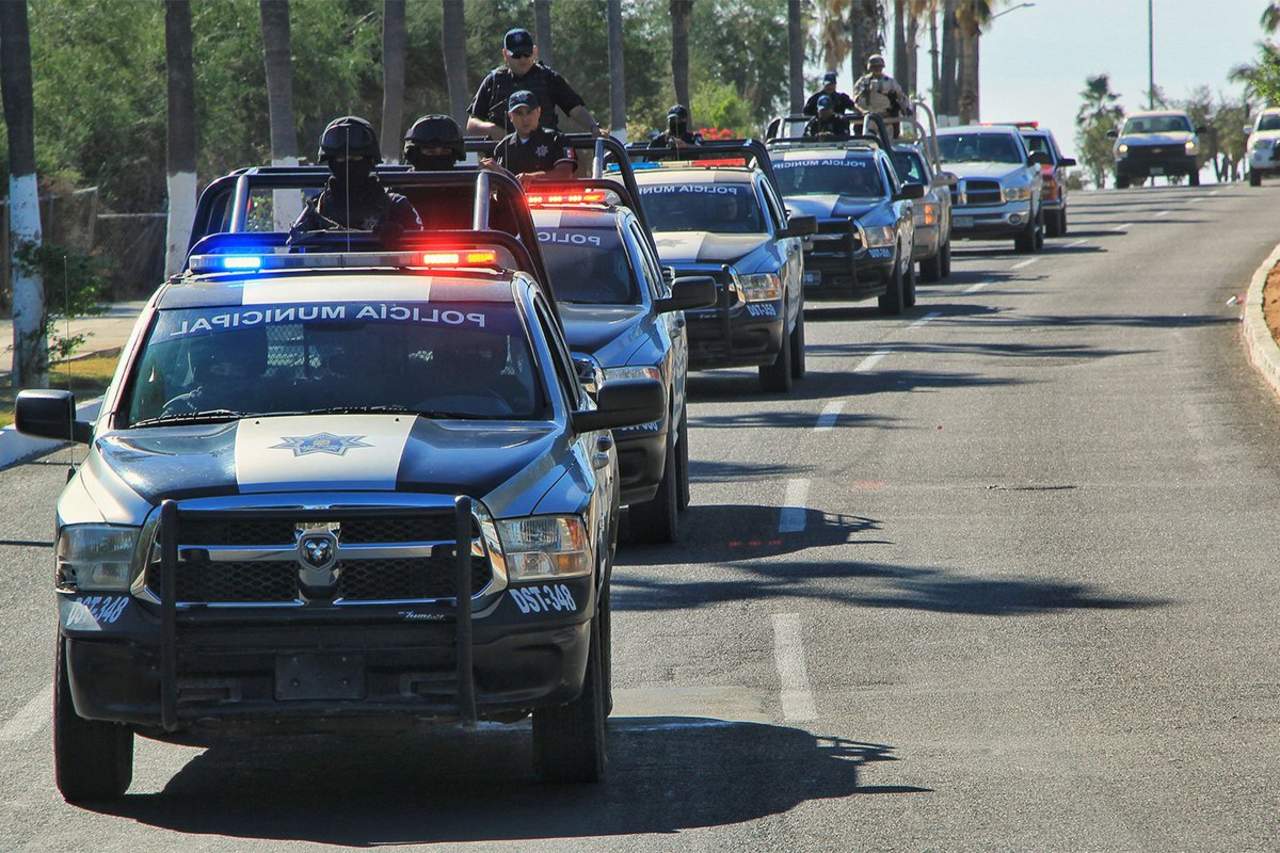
[310, 676]
[1157, 170]
[812, 279]
[963, 222]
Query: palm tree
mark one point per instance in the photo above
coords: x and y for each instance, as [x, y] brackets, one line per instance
[393, 46]
[181, 166]
[1270, 19]
[971, 17]
[948, 91]
[681, 13]
[617, 74]
[900, 60]
[1099, 112]
[866, 17]
[277, 57]
[542, 30]
[833, 32]
[30, 349]
[453, 35]
[795, 49]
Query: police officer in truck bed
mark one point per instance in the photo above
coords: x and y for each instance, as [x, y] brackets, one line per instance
[840, 102]
[522, 71]
[533, 151]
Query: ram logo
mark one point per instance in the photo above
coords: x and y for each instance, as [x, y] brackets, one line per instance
[317, 558]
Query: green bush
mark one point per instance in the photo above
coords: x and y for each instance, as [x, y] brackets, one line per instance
[73, 284]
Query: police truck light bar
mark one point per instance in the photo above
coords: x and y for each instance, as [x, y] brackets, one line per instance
[550, 198]
[213, 263]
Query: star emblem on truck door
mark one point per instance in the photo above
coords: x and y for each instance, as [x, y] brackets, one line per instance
[321, 442]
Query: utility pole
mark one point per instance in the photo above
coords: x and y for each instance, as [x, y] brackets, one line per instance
[1151, 55]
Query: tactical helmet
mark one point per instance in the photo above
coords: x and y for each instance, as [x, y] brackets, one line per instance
[679, 112]
[349, 136]
[435, 131]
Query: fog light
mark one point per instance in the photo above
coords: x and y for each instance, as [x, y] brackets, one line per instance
[1015, 218]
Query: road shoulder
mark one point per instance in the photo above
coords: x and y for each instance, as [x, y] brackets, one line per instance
[1263, 350]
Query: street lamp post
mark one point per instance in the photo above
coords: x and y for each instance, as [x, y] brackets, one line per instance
[1012, 9]
[1151, 55]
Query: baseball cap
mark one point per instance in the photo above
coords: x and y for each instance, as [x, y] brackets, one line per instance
[523, 98]
[824, 102]
[875, 59]
[518, 42]
[829, 77]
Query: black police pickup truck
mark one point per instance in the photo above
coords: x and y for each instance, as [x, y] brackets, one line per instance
[338, 485]
[718, 213]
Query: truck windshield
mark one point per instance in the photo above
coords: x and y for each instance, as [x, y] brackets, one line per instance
[440, 359]
[979, 148]
[719, 208]
[1158, 124]
[909, 167]
[588, 265]
[1270, 121]
[853, 177]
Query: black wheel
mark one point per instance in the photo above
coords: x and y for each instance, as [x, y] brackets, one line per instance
[682, 458]
[1062, 222]
[777, 377]
[931, 268]
[92, 760]
[892, 301]
[1053, 223]
[1255, 178]
[1025, 242]
[569, 740]
[1194, 179]
[909, 286]
[1122, 183]
[797, 347]
[606, 648]
[946, 258]
[658, 520]
[1039, 232]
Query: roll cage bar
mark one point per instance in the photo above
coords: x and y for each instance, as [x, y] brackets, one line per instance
[754, 153]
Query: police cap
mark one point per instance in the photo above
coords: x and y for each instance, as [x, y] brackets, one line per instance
[518, 42]
[349, 136]
[824, 102]
[435, 131]
[829, 77]
[522, 98]
[874, 60]
[679, 112]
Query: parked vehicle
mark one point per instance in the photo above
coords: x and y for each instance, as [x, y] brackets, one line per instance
[1264, 145]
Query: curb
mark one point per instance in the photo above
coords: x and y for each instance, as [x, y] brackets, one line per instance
[1264, 352]
[16, 447]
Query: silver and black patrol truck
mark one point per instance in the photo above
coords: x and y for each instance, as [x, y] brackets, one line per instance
[626, 320]
[717, 212]
[338, 486]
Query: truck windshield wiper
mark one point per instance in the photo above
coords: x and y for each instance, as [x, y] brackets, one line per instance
[394, 410]
[210, 416]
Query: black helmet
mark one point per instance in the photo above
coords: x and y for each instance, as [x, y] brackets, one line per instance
[679, 112]
[349, 136]
[434, 131]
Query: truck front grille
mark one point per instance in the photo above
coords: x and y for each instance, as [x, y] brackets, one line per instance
[976, 193]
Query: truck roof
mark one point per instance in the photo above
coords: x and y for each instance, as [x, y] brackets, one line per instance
[695, 175]
[823, 153]
[311, 287]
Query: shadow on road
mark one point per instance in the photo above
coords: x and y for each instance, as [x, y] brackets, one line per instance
[667, 774]
[737, 388]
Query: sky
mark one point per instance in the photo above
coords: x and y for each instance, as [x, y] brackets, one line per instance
[1034, 60]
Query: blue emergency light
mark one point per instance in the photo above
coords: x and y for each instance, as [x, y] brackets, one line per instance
[242, 262]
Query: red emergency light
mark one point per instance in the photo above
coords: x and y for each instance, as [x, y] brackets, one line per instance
[558, 197]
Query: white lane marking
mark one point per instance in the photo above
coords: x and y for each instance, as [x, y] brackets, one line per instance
[974, 288]
[1076, 243]
[792, 517]
[1215, 192]
[30, 719]
[1020, 264]
[932, 315]
[1123, 226]
[871, 361]
[1162, 214]
[830, 412]
[788, 656]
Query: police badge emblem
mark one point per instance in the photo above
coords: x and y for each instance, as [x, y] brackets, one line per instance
[541, 150]
[321, 442]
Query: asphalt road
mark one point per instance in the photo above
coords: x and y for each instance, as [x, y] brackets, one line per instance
[1000, 574]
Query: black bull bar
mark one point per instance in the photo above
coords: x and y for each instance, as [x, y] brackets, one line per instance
[463, 642]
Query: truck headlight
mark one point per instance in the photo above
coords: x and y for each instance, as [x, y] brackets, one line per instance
[1191, 147]
[881, 235]
[1017, 193]
[639, 372]
[764, 287]
[545, 547]
[96, 557]
[1122, 149]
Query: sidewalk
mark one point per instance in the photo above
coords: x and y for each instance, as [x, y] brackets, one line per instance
[106, 331]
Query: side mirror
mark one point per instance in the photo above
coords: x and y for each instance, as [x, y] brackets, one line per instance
[1111, 134]
[800, 226]
[50, 413]
[1248, 129]
[1067, 162]
[688, 292]
[590, 373]
[623, 403]
[946, 179]
[1039, 158]
[910, 192]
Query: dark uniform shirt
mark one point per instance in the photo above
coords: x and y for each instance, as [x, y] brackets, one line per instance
[551, 90]
[541, 152]
[365, 207]
[833, 125]
[665, 139]
[840, 102]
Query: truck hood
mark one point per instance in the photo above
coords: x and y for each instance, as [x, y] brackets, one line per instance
[1179, 138]
[608, 332]
[832, 206]
[322, 453]
[700, 247]
[989, 171]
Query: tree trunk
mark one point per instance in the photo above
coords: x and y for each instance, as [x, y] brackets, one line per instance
[864, 30]
[949, 83]
[453, 35]
[900, 69]
[542, 30]
[912, 80]
[935, 77]
[967, 102]
[681, 12]
[617, 75]
[181, 167]
[795, 44]
[30, 349]
[277, 56]
[393, 46]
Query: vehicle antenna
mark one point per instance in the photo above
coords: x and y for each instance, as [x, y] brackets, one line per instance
[66, 316]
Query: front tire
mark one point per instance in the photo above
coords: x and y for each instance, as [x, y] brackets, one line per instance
[1025, 242]
[1255, 178]
[657, 521]
[797, 347]
[909, 286]
[946, 258]
[1194, 179]
[777, 377]
[92, 760]
[1122, 183]
[892, 302]
[931, 268]
[1055, 223]
[682, 457]
[569, 740]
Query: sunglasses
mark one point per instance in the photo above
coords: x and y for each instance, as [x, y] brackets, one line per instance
[520, 54]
